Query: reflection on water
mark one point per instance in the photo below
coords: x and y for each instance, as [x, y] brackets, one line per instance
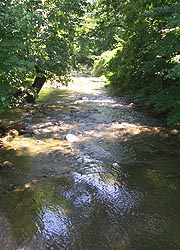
[92, 211]
[115, 188]
[73, 212]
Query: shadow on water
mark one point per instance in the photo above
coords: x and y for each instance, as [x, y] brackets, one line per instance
[116, 187]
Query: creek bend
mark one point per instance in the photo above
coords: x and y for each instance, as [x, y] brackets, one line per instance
[94, 174]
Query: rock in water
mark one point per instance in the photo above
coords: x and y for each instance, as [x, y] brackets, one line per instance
[71, 138]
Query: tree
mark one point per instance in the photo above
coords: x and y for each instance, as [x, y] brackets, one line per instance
[36, 40]
[109, 26]
[148, 66]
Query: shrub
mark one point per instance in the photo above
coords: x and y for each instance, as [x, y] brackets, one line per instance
[101, 62]
[167, 101]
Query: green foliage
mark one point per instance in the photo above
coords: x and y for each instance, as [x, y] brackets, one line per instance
[148, 65]
[83, 44]
[108, 24]
[174, 72]
[101, 62]
[51, 35]
[168, 101]
[35, 34]
[114, 69]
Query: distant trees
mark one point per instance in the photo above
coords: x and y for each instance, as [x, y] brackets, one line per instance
[36, 42]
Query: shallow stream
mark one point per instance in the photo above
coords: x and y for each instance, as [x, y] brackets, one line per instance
[92, 173]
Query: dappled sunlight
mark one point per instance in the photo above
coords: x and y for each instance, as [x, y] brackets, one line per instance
[87, 100]
[51, 129]
[88, 85]
[123, 131]
[84, 111]
[54, 222]
[87, 163]
[81, 85]
[33, 146]
[51, 95]
[125, 128]
[87, 155]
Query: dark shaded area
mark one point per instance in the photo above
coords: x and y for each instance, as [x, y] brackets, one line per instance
[37, 85]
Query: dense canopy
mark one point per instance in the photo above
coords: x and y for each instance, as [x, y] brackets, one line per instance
[36, 38]
[135, 43]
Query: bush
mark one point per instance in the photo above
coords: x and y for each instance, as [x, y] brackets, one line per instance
[167, 101]
[101, 62]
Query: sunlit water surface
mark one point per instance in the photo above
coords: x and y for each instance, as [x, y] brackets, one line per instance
[96, 174]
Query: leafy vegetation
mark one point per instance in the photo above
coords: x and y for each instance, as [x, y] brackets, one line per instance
[36, 42]
[147, 67]
[101, 62]
[135, 43]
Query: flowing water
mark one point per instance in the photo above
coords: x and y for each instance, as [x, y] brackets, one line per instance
[92, 173]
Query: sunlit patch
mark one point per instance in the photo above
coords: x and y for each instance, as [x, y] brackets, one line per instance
[101, 188]
[54, 223]
[88, 85]
[25, 186]
[53, 128]
[33, 146]
[69, 180]
[97, 101]
[131, 129]
[121, 130]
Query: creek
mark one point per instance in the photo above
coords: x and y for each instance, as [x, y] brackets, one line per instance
[92, 173]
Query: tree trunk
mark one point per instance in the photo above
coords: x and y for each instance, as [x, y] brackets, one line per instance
[37, 85]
